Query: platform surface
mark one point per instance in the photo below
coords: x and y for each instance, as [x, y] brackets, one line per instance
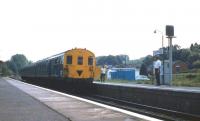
[15, 105]
[25, 102]
[161, 87]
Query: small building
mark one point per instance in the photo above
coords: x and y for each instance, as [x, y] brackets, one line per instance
[179, 67]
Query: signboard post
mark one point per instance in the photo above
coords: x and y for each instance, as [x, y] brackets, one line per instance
[170, 35]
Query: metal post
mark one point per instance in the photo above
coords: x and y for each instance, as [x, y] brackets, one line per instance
[170, 59]
[163, 78]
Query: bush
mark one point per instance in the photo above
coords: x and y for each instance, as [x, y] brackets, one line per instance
[191, 76]
[196, 64]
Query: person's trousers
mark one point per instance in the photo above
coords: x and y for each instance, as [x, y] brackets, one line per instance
[103, 77]
[157, 73]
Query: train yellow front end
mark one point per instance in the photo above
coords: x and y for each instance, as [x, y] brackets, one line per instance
[79, 64]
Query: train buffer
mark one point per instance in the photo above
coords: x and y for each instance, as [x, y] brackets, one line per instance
[24, 102]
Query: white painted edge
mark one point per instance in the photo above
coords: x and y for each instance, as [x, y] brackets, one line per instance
[96, 103]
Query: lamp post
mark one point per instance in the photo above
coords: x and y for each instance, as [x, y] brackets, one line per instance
[158, 31]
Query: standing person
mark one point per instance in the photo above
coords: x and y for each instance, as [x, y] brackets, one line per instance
[103, 73]
[157, 66]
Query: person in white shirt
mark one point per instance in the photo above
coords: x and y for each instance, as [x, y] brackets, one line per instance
[157, 66]
[103, 73]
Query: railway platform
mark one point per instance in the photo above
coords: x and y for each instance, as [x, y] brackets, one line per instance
[174, 101]
[25, 102]
[15, 105]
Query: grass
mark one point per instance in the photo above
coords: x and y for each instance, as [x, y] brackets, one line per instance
[183, 79]
[187, 79]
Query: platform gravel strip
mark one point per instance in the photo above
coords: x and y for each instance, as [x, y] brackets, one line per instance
[15, 105]
[76, 110]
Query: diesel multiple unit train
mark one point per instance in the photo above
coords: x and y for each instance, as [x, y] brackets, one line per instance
[73, 66]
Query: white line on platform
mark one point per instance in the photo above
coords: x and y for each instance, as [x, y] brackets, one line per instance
[99, 104]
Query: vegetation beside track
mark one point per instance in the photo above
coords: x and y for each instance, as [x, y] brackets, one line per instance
[183, 79]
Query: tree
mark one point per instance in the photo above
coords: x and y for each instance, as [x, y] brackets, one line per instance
[196, 64]
[137, 63]
[12, 66]
[118, 60]
[17, 62]
[195, 48]
[147, 65]
[5, 70]
[181, 54]
[148, 60]
[143, 70]
[20, 60]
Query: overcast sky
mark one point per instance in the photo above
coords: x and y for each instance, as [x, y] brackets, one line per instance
[41, 28]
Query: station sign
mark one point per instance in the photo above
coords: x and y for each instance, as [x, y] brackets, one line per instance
[158, 52]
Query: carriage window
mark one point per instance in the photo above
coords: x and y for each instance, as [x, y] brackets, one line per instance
[69, 59]
[90, 61]
[80, 60]
[61, 60]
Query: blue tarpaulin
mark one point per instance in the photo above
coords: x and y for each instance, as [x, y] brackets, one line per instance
[123, 73]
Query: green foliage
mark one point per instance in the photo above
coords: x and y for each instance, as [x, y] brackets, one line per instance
[147, 65]
[136, 63]
[143, 70]
[17, 62]
[12, 66]
[187, 79]
[148, 60]
[190, 76]
[181, 54]
[4, 70]
[113, 60]
[195, 48]
[196, 64]
[190, 56]
[20, 60]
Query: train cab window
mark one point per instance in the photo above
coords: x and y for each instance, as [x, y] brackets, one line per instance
[90, 61]
[80, 60]
[69, 59]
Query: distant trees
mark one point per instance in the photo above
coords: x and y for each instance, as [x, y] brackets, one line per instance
[188, 55]
[196, 64]
[17, 62]
[5, 70]
[118, 60]
[191, 56]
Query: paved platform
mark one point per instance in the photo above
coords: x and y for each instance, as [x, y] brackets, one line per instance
[24, 102]
[15, 105]
[161, 87]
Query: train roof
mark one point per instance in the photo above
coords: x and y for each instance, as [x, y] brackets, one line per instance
[80, 49]
[62, 53]
[57, 55]
[51, 57]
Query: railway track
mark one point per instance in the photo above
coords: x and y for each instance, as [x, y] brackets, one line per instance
[156, 112]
